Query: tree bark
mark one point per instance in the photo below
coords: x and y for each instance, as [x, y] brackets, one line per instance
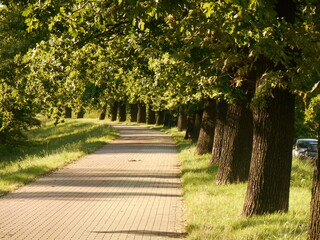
[222, 107]
[133, 112]
[205, 140]
[122, 111]
[81, 113]
[237, 145]
[182, 119]
[197, 124]
[198, 119]
[269, 177]
[142, 115]
[168, 118]
[103, 113]
[160, 118]
[68, 112]
[151, 116]
[314, 224]
[114, 111]
[192, 131]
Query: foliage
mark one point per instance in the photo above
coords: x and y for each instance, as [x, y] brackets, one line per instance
[18, 96]
[304, 128]
[85, 53]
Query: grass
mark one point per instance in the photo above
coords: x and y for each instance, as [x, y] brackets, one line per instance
[211, 211]
[48, 148]
[214, 212]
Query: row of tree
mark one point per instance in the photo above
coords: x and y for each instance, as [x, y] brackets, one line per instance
[243, 62]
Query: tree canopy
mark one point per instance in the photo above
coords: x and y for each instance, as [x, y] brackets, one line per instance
[158, 51]
[87, 53]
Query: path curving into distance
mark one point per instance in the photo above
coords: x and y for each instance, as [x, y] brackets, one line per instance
[129, 189]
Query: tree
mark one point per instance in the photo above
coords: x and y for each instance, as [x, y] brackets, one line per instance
[269, 178]
[222, 108]
[151, 115]
[142, 114]
[166, 54]
[133, 112]
[314, 226]
[206, 136]
[234, 161]
[160, 118]
[194, 118]
[68, 112]
[82, 51]
[19, 101]
[182, 119]
[122, 111]
[80, 113]
[103, 113]
[114, 111]
[313, 114]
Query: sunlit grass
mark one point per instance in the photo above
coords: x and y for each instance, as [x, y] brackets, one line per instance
[214, 212]
[50, 147]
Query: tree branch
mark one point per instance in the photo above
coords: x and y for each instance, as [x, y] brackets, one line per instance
[95, 36]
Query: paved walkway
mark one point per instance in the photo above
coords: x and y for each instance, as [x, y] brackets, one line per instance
[129, 189]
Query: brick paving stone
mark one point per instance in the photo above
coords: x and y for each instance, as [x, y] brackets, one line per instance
[129, 189]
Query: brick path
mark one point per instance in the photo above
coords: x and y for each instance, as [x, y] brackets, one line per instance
[129, 189]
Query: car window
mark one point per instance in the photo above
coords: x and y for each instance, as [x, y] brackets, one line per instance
[305, 144]
[313, 147]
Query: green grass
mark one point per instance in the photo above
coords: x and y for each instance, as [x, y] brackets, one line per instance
[48, 148]
[214, 212]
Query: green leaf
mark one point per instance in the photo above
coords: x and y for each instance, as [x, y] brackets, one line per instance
[208, 9]
[141, 25]
[27, 11]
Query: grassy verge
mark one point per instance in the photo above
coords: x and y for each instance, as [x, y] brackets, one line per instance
[50, 147]
[214, 212]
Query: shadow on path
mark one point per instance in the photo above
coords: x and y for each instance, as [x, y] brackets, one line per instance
[146, 232]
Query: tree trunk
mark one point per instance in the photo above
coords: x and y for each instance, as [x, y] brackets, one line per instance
[81, 113]
[269, 177]
[103, 113]
[68, 112]
[160, 118]
[133, 112]
[122, 111]
[142, 115]
[191, 132]
[182, 119]
[198, 118]
[314, 224]
[222, 107]
[197, 125]
[205, 141]
[114, 111]
[237, 145]
[167, 119]
[151, 116]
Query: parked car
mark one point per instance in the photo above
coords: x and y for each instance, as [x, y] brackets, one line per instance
[311, 151]
[301, 145]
